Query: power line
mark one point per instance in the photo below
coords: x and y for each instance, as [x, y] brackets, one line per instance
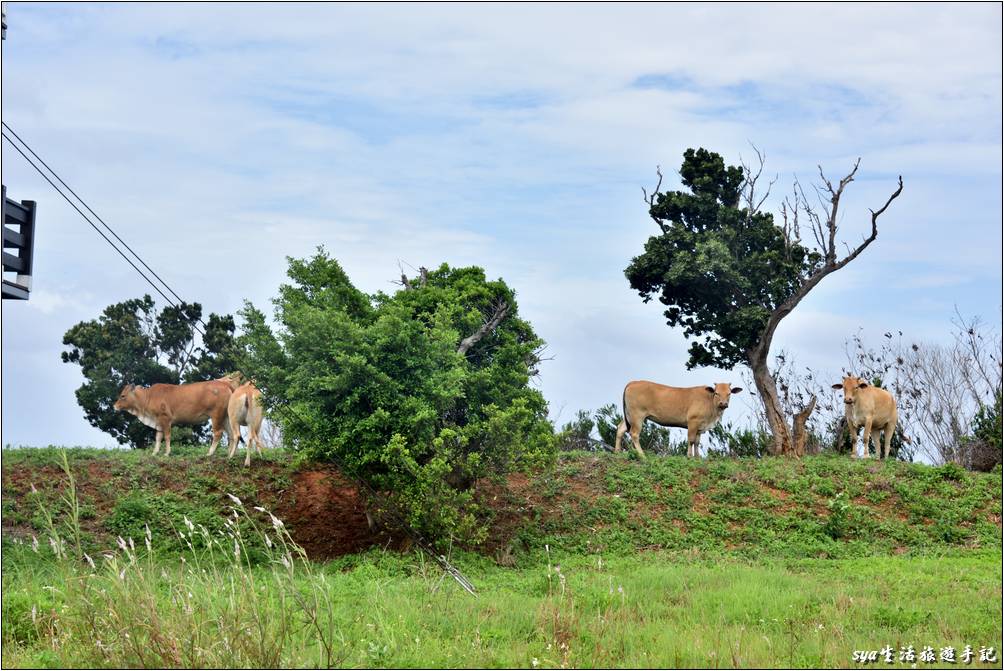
[88, 207]
[415, 536]
[80, 212]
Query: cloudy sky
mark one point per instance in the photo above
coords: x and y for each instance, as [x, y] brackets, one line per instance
[219, 139]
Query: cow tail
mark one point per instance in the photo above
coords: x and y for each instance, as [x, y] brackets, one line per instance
[627, 422]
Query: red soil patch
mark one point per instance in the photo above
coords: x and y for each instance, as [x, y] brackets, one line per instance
[326, 516]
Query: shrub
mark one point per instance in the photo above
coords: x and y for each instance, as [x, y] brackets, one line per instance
[654, 439]
[836, 524]
[419, 393]
[749, 442]
[985, 443]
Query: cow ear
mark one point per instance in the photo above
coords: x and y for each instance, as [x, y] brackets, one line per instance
[711, 390]
[838, 386]
[736, 390]
[862, 384]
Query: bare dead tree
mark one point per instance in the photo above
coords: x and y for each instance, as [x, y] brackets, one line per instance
[823, 219]
[423, 277]
[952, 383]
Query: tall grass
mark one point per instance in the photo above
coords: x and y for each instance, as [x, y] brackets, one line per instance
[242, 594]
[227, 603]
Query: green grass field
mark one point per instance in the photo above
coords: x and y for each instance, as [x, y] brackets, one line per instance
[693, 569]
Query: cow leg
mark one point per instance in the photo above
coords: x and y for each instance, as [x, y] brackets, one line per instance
[866, 437]
[233, 437]
[621, 428]
[692, 439]
[167, 440]
[156, 442]
[890, 428]
[636, 437]
[217, 434]
[853, 431]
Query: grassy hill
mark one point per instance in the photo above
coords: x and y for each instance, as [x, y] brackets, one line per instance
[820, 506]
[603, 561]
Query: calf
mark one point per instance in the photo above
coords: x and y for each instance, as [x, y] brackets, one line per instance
[162, 405]
[696, 409]
[245, 409]
[871, 407]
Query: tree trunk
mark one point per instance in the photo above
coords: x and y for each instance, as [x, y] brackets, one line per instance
[767, 388]
[799, 435]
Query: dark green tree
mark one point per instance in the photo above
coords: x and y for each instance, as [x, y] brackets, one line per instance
[419, 393]
[985, 443]
[728, 274]
[131, 343]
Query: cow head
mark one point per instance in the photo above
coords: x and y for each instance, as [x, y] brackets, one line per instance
[721, 393]
[851, 385]
[234, 379]
[127, 398]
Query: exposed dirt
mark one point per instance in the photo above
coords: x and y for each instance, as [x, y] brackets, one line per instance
[326, 515]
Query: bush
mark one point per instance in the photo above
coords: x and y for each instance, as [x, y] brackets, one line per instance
[749, 442]
[419, 393]
[985, 443]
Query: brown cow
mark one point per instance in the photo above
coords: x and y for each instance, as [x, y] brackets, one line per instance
[245, 409]
[871, 407]
[696, 409]
[162, 405]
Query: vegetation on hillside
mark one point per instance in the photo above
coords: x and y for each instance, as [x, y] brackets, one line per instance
[819, 506]
[419, 393]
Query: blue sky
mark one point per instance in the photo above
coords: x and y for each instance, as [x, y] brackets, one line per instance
[218, 139]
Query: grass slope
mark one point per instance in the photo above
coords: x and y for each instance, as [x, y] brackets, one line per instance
[821, 506]
[744, 563]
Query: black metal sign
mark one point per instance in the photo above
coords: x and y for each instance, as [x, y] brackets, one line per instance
[18, 242]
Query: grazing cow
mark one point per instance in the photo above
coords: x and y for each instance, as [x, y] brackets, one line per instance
[871, 407]
[162, 405]
[696, 409]
[245, 409]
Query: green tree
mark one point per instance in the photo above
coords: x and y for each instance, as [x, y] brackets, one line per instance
[419, 393]
[728, 274]
[131, 343]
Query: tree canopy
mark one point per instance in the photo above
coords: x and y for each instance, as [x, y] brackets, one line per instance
[132, 343]
[719, 268]
[419, 392]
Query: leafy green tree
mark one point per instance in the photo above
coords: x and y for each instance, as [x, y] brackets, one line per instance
[578, 434]
[131, 343]
[728, 274]
[419, 393]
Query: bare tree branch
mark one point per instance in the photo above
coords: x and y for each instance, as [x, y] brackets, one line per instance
[423, 277]
[831, 264]
[749, 194]
[650, 199]
[490, 324]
